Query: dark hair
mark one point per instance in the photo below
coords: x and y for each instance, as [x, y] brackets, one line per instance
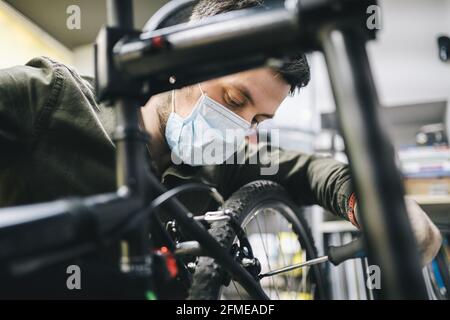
[295, 69]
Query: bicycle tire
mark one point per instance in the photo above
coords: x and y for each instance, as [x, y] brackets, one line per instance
[209, 276]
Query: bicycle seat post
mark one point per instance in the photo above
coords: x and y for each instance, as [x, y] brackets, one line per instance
[130, 140]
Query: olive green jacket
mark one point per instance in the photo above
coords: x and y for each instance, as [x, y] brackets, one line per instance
[55, 141]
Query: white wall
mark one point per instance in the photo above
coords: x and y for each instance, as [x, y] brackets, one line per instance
[22, 40]
[404, 58]
[84, 59]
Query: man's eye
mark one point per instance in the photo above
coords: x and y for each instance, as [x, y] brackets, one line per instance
[234, 99]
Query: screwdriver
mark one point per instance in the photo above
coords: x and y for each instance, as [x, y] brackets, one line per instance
[336, 255]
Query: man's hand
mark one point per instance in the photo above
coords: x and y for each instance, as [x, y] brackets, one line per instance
[427, 235]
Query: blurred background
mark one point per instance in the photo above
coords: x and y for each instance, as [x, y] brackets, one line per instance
[411, 74]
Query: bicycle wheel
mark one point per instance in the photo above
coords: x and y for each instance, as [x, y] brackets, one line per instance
[278, 235]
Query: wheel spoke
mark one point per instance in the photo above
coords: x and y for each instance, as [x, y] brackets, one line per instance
[267, 257]
[287, 251]
[235, 287]
[265, 252]
[288, 283]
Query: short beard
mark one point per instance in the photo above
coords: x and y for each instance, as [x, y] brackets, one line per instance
[163, 110]
[164, 106]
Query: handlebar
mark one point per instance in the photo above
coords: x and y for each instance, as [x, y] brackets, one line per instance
[231, 42]
[31, 229]
[351, 250]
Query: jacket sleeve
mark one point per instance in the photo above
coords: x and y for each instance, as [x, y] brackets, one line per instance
[27, 94]
[309, 179]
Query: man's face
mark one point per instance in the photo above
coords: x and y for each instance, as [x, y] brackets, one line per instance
[254, 95]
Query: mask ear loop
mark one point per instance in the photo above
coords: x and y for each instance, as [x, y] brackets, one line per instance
[173, 101]
[201, 90]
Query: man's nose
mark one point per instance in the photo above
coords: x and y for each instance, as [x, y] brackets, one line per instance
[246, 114]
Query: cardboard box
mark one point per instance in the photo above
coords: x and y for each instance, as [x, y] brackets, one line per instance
[427, 186]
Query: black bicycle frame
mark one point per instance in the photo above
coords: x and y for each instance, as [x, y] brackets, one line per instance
[238, 41]
[130, 67]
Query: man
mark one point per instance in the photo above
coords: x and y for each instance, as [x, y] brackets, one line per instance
[56, 140]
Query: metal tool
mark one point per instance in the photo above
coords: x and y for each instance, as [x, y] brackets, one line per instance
[336, 255]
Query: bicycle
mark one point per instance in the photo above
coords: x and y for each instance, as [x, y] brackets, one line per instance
[132, 66]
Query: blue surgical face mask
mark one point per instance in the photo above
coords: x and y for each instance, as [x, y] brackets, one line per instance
[211, 134]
